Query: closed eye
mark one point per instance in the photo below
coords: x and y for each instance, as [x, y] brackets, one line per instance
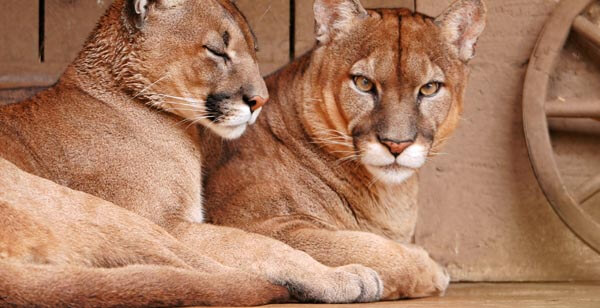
[216, 52]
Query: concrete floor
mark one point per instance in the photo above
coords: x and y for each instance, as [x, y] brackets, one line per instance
[511, 295]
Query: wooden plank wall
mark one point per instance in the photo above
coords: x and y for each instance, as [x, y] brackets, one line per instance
[482, 212]
[54, 31]
[32, 60]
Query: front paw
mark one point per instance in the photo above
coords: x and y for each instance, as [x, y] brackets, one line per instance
[347, 284]
[428, 277]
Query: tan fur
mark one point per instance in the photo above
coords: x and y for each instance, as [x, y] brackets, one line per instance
[119, 126]
[308, 178]
[60, 247]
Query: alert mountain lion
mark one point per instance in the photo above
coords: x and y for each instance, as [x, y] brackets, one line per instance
[331, 168]
[119, 126]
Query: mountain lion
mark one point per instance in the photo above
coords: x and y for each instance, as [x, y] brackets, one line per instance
[119, 126]
[331, 168]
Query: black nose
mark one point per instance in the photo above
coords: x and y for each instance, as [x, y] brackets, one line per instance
[255, 102]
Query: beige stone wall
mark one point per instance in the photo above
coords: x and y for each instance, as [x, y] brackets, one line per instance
[482, 212]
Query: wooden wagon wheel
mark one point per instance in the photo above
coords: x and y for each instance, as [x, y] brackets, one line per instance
[536, 111]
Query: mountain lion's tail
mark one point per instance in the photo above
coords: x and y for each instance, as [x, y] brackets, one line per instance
[133, 286]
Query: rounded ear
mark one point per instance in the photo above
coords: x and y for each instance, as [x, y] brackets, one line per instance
[140, 9]
[335, 17]
[462, 24]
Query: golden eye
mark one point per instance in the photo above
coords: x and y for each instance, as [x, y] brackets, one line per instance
[430, 89]
[364, 84]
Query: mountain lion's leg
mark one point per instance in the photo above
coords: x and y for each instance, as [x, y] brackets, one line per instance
[61, 247]
[407, 271]
[305, 278]
[29, 285]
[91, 262]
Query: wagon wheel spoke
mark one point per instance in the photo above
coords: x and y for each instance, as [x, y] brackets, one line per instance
[580, 109]
[587, 30]
[588, 190]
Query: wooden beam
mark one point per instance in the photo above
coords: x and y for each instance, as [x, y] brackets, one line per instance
[575, 125]
[588, 30]
[579, 109]
[9, 96]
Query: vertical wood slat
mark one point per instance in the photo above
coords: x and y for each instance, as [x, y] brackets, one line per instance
[270, 20]
[304, 26]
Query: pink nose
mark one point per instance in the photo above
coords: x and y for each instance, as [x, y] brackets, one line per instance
[397, 148]
[257, 102]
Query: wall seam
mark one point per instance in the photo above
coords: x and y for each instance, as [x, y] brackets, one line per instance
[41, 29]
[292, 35]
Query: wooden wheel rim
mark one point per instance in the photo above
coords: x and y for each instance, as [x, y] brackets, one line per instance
[541, 65]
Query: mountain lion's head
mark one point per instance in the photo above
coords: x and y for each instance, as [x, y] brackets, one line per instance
[197, 59]
[391, 82]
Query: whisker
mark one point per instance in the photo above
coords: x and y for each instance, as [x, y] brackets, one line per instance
[332, 143]
[151, 85]
[343, 152]
[181, 122]
[192, 123]
[187, 105]
[347, 159]
[185, 99]
[334, 138]
[181, 109]
[334, 131]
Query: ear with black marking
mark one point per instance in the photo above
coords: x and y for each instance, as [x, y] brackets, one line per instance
[462, 24]
[335, 17]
